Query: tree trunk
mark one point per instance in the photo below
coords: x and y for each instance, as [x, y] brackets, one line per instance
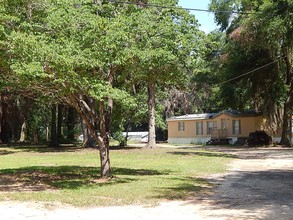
[102, 139]
[284, 137]
[85, 133]
[29, 10]
[36, 136]
[47, 134]
[89, 119]
[104, 143]
[59, 122]
[1, 118]
[88, 139]
[124, 143]
[23, 132]
[289, 102]
[88, 106]
[5, 125]
[290, 129]
[151, 115]
[70, 123]
[105, 126]
[54, 137]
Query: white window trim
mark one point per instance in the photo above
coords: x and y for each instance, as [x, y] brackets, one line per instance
[199, 129]
[238, 131]
[181, 126]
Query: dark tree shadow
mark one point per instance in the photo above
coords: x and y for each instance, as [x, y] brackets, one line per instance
[42, 148]
[5, 152]
[187, 188]
[244, 152]
[124, 148]
[251, 191]
[40, 178]
[266, 153]
[139, 172]
[62, 148]
[206, 154]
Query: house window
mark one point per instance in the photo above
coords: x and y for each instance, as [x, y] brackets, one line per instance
[223, 123]
[236, 126]
[199, 128]
[210, 126]
[181, 126]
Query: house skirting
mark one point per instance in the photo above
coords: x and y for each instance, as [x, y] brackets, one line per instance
[202, 140]
[199, 140]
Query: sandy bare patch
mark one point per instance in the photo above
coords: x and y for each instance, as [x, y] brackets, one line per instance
[259, 185]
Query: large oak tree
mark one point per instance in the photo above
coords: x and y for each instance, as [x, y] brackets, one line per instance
[76, 52]
[260, 32]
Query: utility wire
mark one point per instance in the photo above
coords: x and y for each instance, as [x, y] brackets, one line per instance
[172, 7]
[252, 71]
[203, 10]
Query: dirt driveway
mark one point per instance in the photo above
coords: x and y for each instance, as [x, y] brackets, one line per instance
[259, 185]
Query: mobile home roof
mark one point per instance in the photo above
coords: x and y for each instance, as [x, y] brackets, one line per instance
[192, 117]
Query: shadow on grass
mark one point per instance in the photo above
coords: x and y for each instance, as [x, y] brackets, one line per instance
[45, 149]
[40, 148]
[186, 188]
[5, 152]
[270, 191]
[138, 172]
[124, 148]
[40, 178]
[206, 154]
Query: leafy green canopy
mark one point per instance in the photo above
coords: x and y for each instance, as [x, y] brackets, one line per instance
[259, 34]
[61, 47]
[165, 44]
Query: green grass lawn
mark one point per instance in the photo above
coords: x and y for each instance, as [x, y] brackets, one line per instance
[71, 175]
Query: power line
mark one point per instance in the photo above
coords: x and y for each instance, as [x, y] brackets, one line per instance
[252, 71]
[202, 10]
[173, 7]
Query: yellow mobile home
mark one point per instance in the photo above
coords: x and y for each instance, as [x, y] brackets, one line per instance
[200, 128]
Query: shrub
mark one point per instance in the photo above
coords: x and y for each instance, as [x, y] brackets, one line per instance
[259, 138]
